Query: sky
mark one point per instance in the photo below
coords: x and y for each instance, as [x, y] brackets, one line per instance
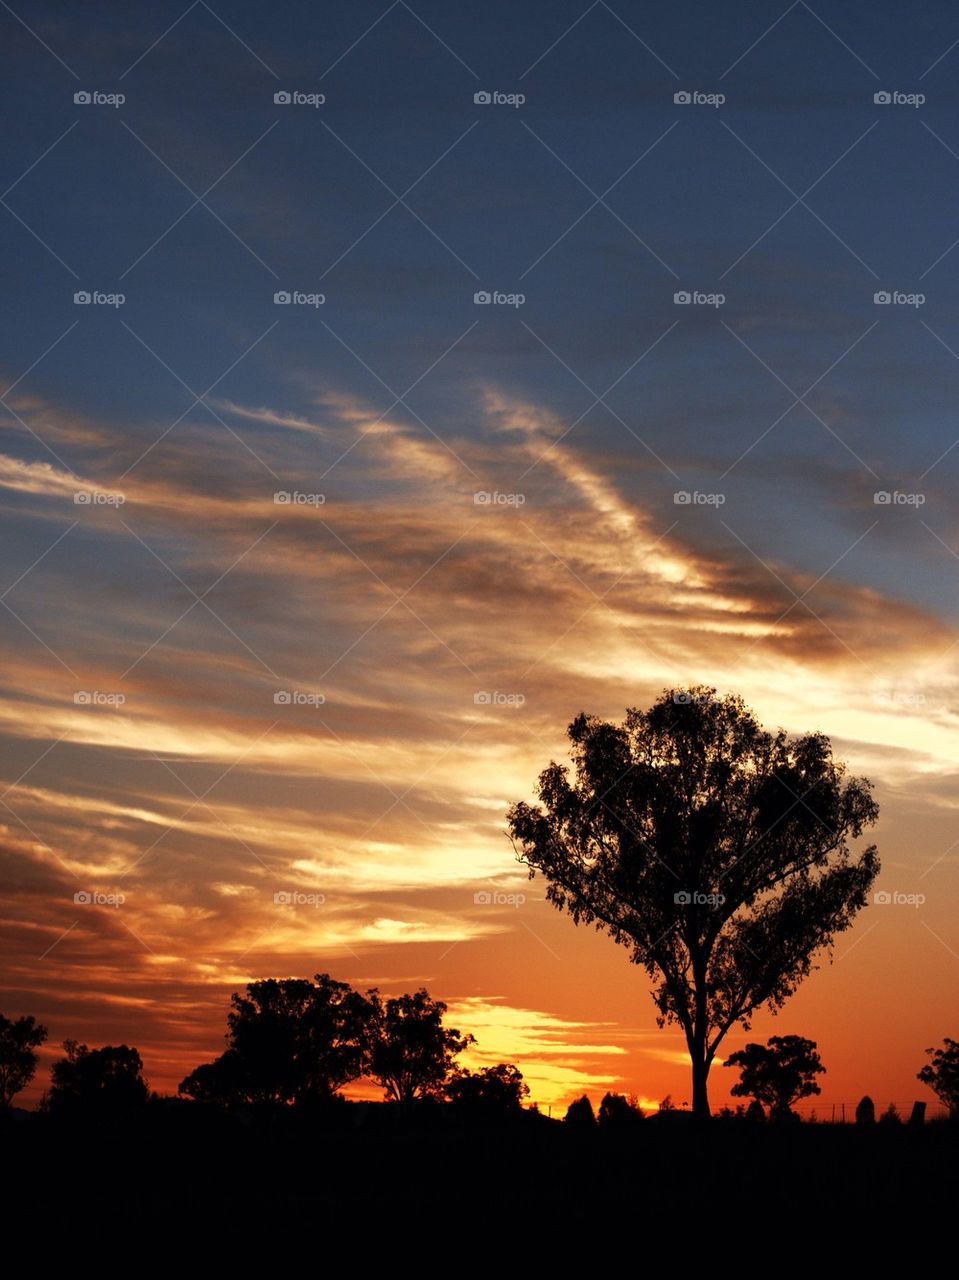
[384, 385]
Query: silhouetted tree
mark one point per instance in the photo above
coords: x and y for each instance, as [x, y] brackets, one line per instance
[866, 1111]
[580, 1114]
[290, 1041]
[616, 1111]
[891, 1115]
[100, 1084]
[411, 1053]
[499, 1088]
[18, 1061]
[777, 1073]
[942, 1075]
[716, 852]
[755, 1113]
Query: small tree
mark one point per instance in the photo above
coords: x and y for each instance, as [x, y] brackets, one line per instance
[891, 1115]
[102, 1083]
[942, 1075]
[778, 1073]
[616, 1111]
[716, 852]
[18, 1060]
[411, 1053]
[494, 1089]
[290, 1041]
[580, 1114]
[866, 1111]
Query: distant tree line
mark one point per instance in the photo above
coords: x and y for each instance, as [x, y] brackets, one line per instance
[290, 1042]
[297, 1043]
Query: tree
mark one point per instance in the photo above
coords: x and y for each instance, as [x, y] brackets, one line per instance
[778, 1073]
[616, 1111]
[866, 1111]
[942, 1075]
[716, 852]
[18, 1061]
[580, 1114]
[97, 1083]
[411, 1053]
[290, 1041]
[500, 1089]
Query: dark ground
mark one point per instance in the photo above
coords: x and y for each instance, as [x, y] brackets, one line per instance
[178, 1176]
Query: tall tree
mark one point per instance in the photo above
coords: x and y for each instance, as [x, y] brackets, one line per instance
[778, 1073]
[716, 852]
[412, 1054]
[18, 1060]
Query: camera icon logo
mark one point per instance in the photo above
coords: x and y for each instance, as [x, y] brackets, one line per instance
[82, 498]
[683, 298]
[882, 298]
[282, 98]
[282, 498]
[282, 298]
[482, 898]
[82, 897]
[282, 898]
[483, 298]
[483, 98]
[882, 498]
[283, 698]
[82, 698]
[682, 899]
[482, 699]
[682, 498]
[82, 298]
[882, 99]
[82, 98]
[882, 898]
[683, 98]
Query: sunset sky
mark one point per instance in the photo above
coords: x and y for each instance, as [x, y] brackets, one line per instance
[212, 696]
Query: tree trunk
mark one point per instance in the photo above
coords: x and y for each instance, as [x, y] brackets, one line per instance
[700, 1077]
